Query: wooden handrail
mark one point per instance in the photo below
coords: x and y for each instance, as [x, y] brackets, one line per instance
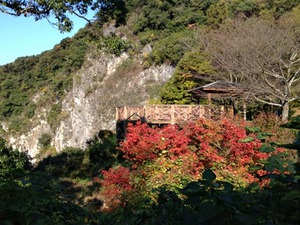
[171, 114]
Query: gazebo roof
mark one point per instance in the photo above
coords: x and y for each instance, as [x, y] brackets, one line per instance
[218, 89]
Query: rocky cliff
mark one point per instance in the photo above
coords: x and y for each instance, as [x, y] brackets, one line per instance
[103, 83]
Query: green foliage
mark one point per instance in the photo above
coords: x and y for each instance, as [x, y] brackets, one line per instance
[102, 152]
[30, 110]
[37, 203]
[111, 10]
[277, 8]
[266, 124]
[45, 140]
[114, 45]
[172, 48]
[54, 113]
[170, 15]
[60, 11]
[65, 164]
[192, 65]
[293, 124]
[18, 124]
[12, 162]
[248, 8]
[216, 14]
[154, 15]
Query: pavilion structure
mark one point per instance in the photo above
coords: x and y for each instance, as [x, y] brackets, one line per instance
[220, 90]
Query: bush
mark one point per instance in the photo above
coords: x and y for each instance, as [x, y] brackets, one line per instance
[114, 45]
[170, 157]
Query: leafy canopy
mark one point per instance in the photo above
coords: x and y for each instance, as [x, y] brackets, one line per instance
[61, 10]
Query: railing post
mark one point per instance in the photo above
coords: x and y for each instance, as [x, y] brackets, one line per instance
[145, 114]
[189, 114]
[172, 114]
[202, 111]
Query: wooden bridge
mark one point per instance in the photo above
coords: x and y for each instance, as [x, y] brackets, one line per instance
[167, 114]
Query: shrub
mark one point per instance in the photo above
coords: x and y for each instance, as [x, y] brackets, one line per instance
[170, 157]
[114, 45]
[115, 183]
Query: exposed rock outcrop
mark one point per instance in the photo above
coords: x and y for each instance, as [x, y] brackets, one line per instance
[103, 83]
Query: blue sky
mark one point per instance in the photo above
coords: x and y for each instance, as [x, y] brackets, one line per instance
[21, 36]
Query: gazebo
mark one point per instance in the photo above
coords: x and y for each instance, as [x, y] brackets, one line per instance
[220, 89]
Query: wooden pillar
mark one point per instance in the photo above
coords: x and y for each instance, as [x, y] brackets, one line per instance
[209, 98]
[244, 110]
[222, 111]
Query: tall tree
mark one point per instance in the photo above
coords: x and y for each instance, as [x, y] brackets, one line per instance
[262, 55]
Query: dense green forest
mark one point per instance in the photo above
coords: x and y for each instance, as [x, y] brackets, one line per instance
[208, 172]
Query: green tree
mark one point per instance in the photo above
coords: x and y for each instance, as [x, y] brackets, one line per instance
[247, 8]
[277, 8]
[172, 48]
[191, 67]
[167, 15]
[12, 162]
[216, 14]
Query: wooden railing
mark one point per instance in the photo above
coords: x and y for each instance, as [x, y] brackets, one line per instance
[171, 114]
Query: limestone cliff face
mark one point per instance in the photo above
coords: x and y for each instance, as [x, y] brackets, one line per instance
[103, 83]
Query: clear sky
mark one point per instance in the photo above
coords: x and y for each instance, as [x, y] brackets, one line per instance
[20, 36]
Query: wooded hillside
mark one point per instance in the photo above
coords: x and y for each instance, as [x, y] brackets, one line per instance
[201, 173]
[194, 36]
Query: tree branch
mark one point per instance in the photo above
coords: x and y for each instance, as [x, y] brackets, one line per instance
[273, 87]
[6, 12]
[80, 16]
[266, 102]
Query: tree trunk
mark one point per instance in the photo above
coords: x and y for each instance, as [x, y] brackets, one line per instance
[285, 111]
